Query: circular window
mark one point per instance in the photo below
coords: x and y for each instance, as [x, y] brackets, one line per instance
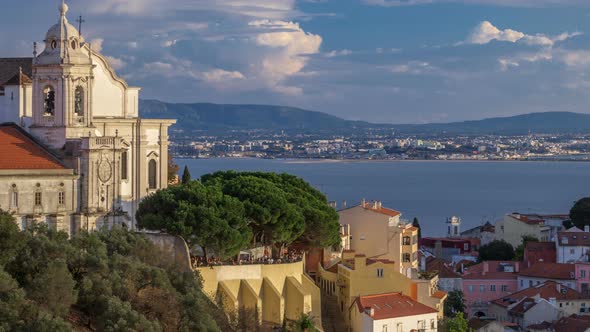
[73, 43]
[53, 44]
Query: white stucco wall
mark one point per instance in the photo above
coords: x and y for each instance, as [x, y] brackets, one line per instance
[108, 95]
[401, 324]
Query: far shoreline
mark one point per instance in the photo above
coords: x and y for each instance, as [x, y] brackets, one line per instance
[322, 160]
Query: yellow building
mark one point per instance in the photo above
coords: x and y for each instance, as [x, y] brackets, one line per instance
[515, 225]
[378, 232]
[273, 291]
[356, 275]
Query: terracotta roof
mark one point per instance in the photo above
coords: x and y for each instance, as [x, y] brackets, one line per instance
[523, 306]
[550, 271]
[439, 294]
[493, 271]
[444, 271]
[382, 210]
[384, 261]
[19, 79]
[412, 229]
[392, 305]
[573, 323]
[541, 326]
[573, 239]
[546, 290]
[540, 246]
[9, 67]
[22, 151]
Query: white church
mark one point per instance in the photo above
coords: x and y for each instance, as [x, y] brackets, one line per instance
[74, 153]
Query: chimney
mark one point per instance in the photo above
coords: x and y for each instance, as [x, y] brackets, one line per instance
[486, 268]
[587, 228]
[360, 262]
[370, 311]
[375, 205]
[363, 202]
[333, 204]
[517, 267]
[423, 263]
[344, 204]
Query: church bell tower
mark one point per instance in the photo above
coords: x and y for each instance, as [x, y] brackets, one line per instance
[62, 85]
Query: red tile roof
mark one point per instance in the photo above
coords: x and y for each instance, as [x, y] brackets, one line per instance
[444, 271]
[20, 151]
[382, 210]
[493, 271]
[546, 290]
[523, 306]
[550, 271]
[439, 294]
[573, 323]
[573, 239]
[392, 305]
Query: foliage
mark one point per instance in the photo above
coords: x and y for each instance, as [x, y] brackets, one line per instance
[282, 208]
[497, 250]
[173, 169]
[519, 251]
[11, 238]
[305, 323]
[580, 213]
[202, 215]
[416, 224]
[454, 304]
[455, 324]
[112, 280]
[186, 175]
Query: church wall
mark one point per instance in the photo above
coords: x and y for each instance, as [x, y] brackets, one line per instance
[10, 104]
[108, 95]
[48, 184]
[132, 102]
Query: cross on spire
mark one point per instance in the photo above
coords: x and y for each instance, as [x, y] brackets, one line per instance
[80, 20]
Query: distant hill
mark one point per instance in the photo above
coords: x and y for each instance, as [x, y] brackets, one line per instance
[549, 122]
[219, 119]
[223, 118]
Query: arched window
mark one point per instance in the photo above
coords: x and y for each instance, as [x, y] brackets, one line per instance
[79, 101]
[49, 101]
[124, 165]
[152, 174]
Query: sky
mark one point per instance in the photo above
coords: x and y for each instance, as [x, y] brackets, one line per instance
[389, 61]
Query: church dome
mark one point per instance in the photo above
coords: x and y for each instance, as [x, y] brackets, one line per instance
[63, 43]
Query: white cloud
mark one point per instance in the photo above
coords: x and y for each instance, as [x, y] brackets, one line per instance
[220, 75]
[96, 44]
[412, 67]
[485, 32]
[506, 3]
[252, 8]
[288, 45]
[116, 63]
[336, 53]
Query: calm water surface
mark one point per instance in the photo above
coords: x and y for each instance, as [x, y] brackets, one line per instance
[433, 190]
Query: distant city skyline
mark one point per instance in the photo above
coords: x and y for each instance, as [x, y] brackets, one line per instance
[390, 61]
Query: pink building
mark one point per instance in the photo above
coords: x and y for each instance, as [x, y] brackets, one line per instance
[487, 281]
[583, 278]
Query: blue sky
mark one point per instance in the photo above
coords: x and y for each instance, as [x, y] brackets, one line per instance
[396, 61]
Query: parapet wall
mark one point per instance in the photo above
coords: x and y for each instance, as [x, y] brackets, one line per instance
[277, 291]
[175, 246]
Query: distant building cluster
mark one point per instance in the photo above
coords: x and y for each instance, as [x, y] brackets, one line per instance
[388, 147]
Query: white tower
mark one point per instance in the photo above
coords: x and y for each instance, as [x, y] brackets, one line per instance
[62, 85]
[453, 227]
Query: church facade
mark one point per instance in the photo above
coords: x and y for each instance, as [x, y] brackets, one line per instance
[69, 105]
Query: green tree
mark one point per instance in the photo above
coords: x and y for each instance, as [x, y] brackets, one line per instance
[12, 238]
[497, 250]
[283, 208]
[53, 289]
[454, 304]
[416, 224]
[519, 251]
[173, 169]
[202, 215]
[457, 324]
[580, 213]
[186, 175]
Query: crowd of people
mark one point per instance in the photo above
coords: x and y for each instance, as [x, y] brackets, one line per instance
[288, 256]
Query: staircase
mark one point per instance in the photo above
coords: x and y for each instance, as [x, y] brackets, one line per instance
[332, 320]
